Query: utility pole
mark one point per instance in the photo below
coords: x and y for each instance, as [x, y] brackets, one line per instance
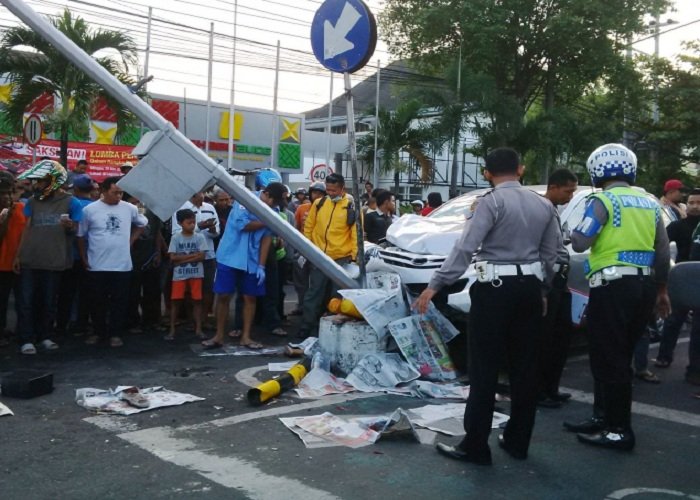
[458, 128]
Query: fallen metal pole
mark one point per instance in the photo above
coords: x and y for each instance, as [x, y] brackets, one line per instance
[172, 137]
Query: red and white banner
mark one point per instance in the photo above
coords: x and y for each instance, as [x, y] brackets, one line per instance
[103, 159]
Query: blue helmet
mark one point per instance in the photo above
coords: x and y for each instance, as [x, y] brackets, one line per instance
[266, 176]
[612, 161]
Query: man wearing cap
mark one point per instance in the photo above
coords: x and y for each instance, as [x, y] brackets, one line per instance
[80, 168]
[514, 236]
[671, 200]
[126, 167]
[299, 200]
[417, 206]
[45, 251]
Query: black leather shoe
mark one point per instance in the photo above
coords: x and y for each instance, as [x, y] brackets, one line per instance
[513, 453]
[562, 397]
[616, 440]
[457, 453]
[548, 402]
[588, 426]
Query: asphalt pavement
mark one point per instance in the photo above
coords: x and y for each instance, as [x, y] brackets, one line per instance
[223, 448]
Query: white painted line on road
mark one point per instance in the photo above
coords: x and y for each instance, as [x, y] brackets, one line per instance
[620, 494]
[227, 471]
[112, 423]
[676, 416]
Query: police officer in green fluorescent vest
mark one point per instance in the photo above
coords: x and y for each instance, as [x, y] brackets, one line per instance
[627, 271]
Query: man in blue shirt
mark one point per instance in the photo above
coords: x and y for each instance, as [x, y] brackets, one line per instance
[240, 267]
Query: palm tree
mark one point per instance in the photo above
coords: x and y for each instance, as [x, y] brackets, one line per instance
[44, 70]
[398, 132]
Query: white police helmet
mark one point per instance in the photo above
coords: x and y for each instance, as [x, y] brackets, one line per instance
[612, 161]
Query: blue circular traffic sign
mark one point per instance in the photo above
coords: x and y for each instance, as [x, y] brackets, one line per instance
[343, 35]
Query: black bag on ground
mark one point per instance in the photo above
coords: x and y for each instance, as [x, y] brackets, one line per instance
[27, 384]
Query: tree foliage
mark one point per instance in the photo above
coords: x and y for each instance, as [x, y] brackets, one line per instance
[44, 70]
[399, 131]
[525, 63]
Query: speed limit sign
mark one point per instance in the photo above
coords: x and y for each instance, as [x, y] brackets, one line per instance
[320, 172]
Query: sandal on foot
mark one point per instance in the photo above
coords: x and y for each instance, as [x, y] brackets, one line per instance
[234, 334]
[169, 337]
[256, 346]
[647, 376]
[662, 363]
[27, 348]
[115, 342]
[211, 344]
[200, 335]
[279, 332]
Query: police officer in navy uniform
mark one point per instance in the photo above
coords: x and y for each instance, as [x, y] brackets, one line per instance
[625, 232]
[514, 236]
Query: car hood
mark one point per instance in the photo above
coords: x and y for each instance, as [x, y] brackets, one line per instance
[426, 235]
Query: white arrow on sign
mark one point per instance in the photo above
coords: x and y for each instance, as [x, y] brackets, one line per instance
[334, 41]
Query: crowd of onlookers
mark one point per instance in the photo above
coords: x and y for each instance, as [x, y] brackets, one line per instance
[82, 259]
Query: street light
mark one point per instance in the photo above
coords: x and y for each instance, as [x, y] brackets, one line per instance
[656, 24]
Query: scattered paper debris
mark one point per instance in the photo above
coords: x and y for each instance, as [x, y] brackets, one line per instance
[352, 433]
[111, 402]
[381, 302]
[427, 389]
[4, 410]
[319, 383]
[380, 371]
[327, 429]
[421, 344]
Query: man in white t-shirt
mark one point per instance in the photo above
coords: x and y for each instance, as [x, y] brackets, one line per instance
[105, 235]
[208, 226]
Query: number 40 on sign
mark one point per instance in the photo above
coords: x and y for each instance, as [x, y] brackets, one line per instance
[320, 172]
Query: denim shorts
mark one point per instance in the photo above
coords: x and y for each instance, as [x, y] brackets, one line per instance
[230, 280]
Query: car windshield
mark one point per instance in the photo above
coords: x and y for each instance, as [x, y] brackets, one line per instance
[456, 207]
[460, 206]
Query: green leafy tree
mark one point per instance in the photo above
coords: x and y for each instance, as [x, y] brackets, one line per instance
[523, 61]
[44, 70]
[399, 131]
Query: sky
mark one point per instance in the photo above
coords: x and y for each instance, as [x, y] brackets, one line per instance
[179, 45]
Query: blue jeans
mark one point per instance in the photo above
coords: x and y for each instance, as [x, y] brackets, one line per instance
[37, 303]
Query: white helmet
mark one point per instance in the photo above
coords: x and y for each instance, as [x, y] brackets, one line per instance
[612, 161]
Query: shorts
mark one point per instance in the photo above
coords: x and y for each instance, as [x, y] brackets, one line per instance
[209, 273]
[230, 280]
[179, 288]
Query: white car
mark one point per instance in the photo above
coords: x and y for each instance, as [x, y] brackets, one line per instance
[417, 246]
